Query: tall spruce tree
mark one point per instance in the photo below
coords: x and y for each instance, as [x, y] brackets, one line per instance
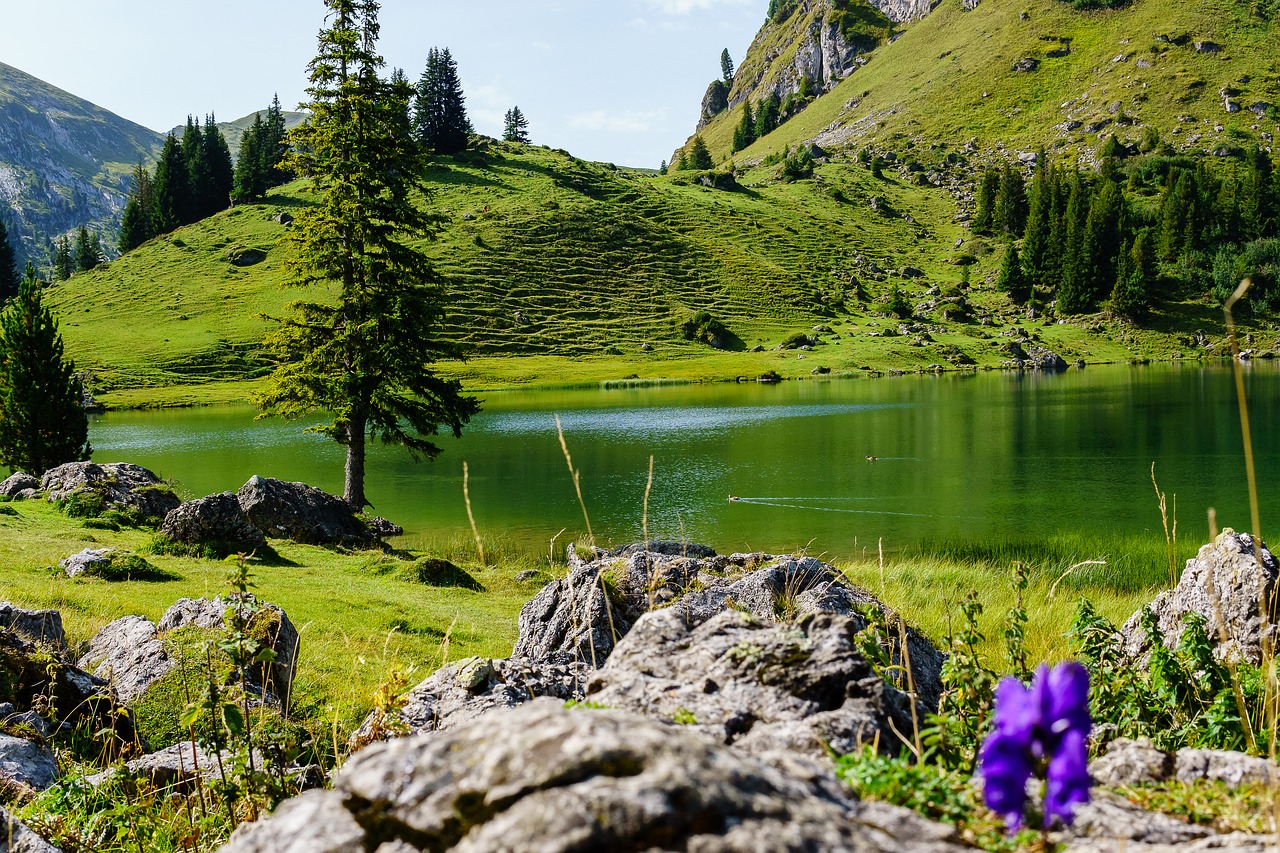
[217, 158]
[1011, 279]
[745, 133]
[984, 214]
[515, 127]
[1037, 252]
[199, 201]
[365, 357]
[1075, 289]
[1258, 202]
[88, 251]
[699, 156]
[440, 114]
[135, 224]
[1131, 295]
[42, 418]
[276, 144]
[726, 67]
[1010, 214]
[251, 179]
[8, 267]
[768, 115]
[64, 261]
[170, 188]
[1103, 241]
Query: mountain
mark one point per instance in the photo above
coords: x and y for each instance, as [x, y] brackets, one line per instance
[63, 163]
[1022, 76]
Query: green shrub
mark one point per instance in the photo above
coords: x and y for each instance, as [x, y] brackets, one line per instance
[795, 341]
[702, 327]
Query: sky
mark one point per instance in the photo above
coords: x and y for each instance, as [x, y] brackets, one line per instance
[616, 81]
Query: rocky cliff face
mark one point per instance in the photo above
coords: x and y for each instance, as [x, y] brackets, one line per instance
[63, 163]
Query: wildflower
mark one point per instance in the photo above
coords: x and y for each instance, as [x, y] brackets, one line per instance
[1039, 731]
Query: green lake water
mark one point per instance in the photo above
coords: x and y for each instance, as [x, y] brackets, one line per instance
[970, 456]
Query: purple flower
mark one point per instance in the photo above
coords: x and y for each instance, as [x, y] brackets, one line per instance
[1039, 731]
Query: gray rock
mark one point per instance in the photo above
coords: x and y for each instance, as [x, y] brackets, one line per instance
[1232, 769]
[27, 763]
[130, 651]
[714, 102]
[1041, 358]
[213, 519]
[119, 484]
[582, 616]
[301, 513]
[18, 484]
[11, 716]
[457, 694]
[1026, 65]
[1118, 822]
[91, 560]
[546, 778]
[760, 686]
[15, 837]
[1226, 579]
[1131, 762]
[41, 626]
[1208, 47]
[1135, 762]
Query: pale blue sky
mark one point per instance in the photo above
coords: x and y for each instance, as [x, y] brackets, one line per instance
[609, 80]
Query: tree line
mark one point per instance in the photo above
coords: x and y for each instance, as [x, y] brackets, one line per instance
[1134, 233]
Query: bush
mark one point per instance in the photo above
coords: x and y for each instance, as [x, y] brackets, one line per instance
[795, 341]
[701, 326]
[898, 305]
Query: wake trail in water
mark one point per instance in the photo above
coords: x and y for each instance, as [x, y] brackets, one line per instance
[767, 502]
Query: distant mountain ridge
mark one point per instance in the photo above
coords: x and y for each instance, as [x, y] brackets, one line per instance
[64, 162]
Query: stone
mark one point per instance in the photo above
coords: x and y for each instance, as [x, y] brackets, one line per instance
[302, 513]
[40, 626]
[1026, 65]
[15, 837]
[383, 529]
[214, 519]
[546, 778]
[1208, 47]
[27, 763]
[714, 102]
[1135, 762]
[282, 218]
[18, 484]
[1223, 578]
[91, 560]
[130, 651]
[459, 693]
[581, 616]
[244, 257]
[11, 716]
[1130, 762]
[119, 484]
[759, 686]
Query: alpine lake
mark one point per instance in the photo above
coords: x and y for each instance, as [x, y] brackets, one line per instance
[957, 458]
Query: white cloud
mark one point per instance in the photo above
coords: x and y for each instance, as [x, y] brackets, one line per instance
[684, 7]
[619, 122]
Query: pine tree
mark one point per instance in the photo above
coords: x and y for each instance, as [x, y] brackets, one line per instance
[1010, 214]
[515, 127]
[1131, 296]
[251, 179]
[1037, 251]
[364, 357]
[1177, 215]
[42, 418]
[440, 114]
[276, 144]
[217, 156]
[1075, 288]
[745, 133]
[64, 262]
[8, 267]
[726, 67]
[1011, 279]
[985, 208]
[199, 200]
[135, 225]
[88, 251]
[768, 115]
[699, 156]
[170, 188]
[1258, 203]
[1103, 241]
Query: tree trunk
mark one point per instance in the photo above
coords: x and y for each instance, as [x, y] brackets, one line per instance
[353, 488]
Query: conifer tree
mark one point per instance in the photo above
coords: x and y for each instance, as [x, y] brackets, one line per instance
[1075, 287]
[88, 251]
[199, 199]
[515, 127]
[440, 114]
[251, 178]
[217, 156]
[1131, 296]
[64, 262]
[1177, 215]
[170, 188]
[985, 207]
[135, 225]
[1010, 214]
[1037, 252]
[8, 267]
[276, 144]
[42, 418]
[726, 67]
[365, 357]
[699, 156]
[1103, 241]
[1011, 279]
[768, 115]
[745, 133]
[1258, 202]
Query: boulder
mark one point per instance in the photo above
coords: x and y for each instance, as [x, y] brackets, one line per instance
[457, 694]
[41, 626]
[118, 484]
[714, 102]
[27, 763]
[110, 564]
[546, 778]
[19, 485]
[1042, 358]
[15, 837]
[66, 694]
[131, 652]
[90, 560]
[582, 616]
[1224, 579]
[216, 519]
[761, 686]
[301, 513]
[1135, 762]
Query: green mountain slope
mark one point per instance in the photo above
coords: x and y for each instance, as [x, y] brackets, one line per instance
[63, 162]
[1203, 75]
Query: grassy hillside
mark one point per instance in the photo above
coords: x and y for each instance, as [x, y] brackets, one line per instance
[949, 79]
